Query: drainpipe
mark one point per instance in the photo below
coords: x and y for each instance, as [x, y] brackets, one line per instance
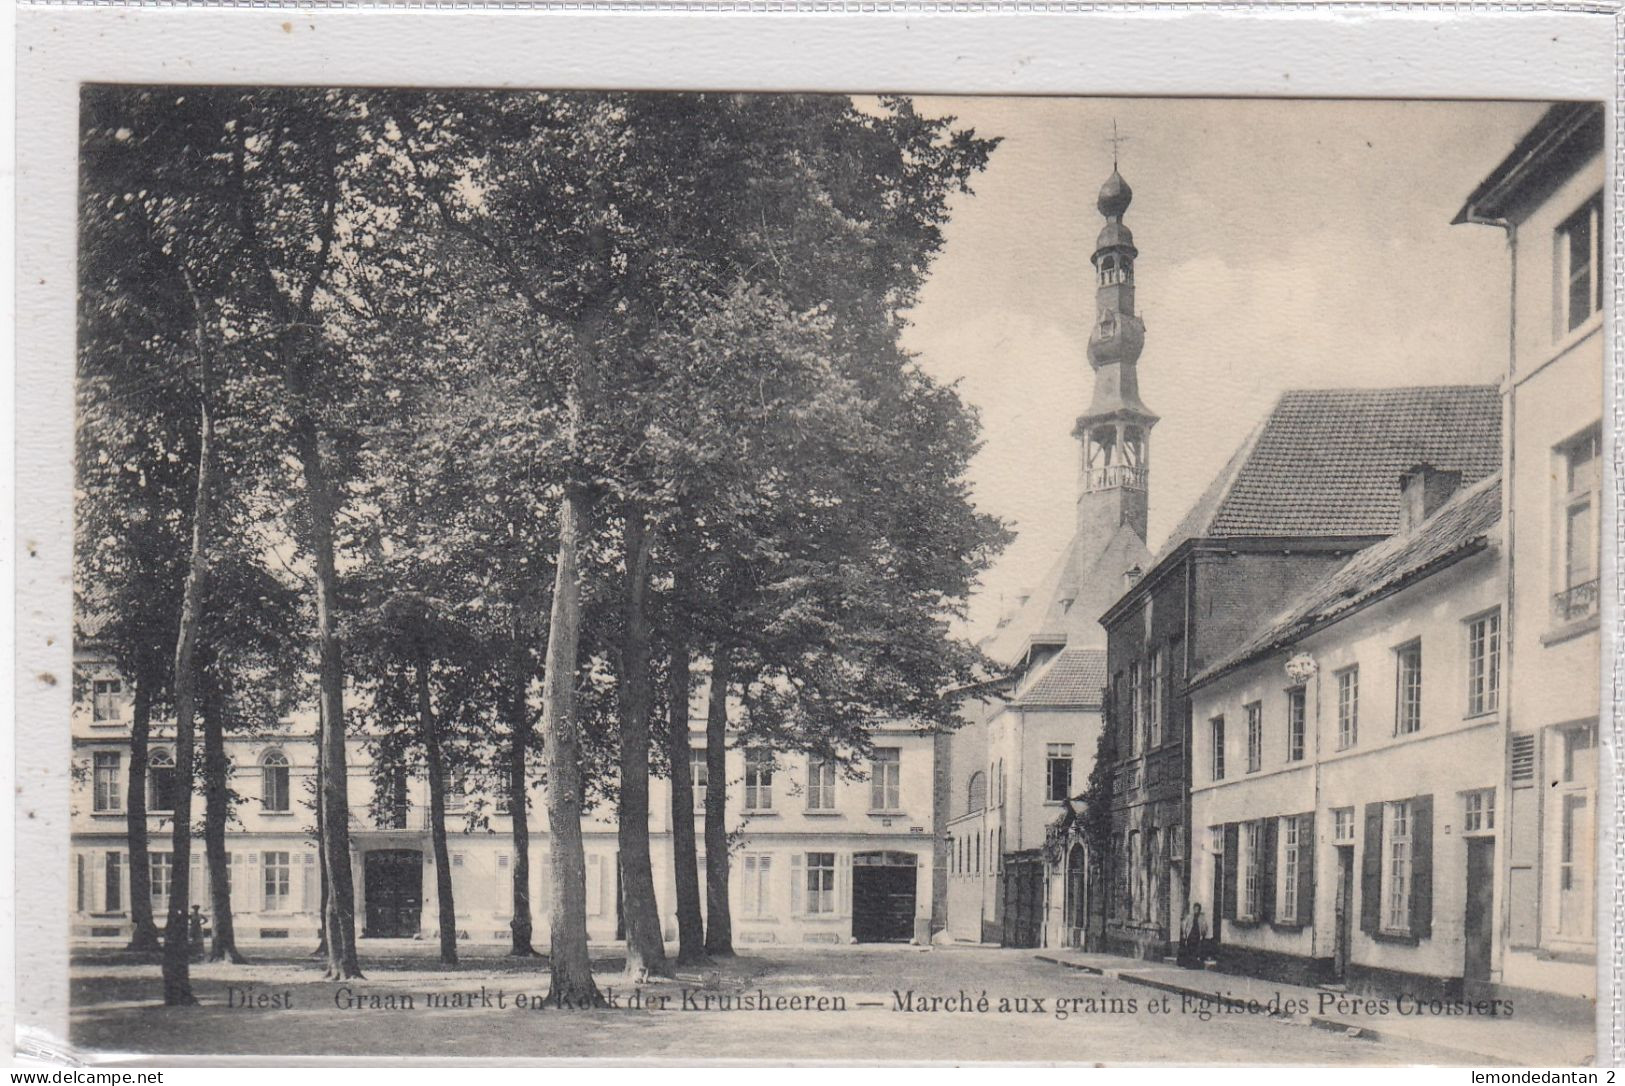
[1509, 462]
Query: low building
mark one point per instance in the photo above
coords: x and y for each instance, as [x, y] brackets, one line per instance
[1347, 765]
[824, 853]
[1312, 485]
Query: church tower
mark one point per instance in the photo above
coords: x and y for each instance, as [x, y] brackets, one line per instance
[1115, 430]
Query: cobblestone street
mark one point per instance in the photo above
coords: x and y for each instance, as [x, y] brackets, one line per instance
[828, 1004]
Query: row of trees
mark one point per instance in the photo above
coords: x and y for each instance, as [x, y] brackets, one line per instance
[489, 422]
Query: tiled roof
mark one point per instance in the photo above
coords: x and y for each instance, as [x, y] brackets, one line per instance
[1073, 679]
[1326, 462]
[1460, 527]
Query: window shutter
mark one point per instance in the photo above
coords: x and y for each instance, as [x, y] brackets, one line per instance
[1307, 853]
[1232, 848]
[843, 884]
[1371, 870]
[795, 883]
[1422, 867]
[1267, 868]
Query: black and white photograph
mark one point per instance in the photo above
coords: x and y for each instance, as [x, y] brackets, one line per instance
[741, 576]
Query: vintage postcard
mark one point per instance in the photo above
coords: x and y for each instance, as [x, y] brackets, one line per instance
[556, 571]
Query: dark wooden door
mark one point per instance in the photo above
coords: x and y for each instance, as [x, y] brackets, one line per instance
[882, 903]
[1343, 914]
[394, 891]
[1480, 911]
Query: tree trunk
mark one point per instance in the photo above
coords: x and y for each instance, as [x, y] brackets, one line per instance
[645, 944]
[177, 936]
[719, 939]
[321, 862]
[223, 942]
[690, 923]
[430, 732]
[570, 966]
[519, 727]
[145, 935]
[342, 963]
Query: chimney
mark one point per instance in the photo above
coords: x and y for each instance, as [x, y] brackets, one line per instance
[1422, 490]
[1131, 577]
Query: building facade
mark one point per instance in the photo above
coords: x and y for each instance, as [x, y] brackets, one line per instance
[1347, 766]
[1036, 736]
[824, 853]
[1312, 485]
[1548, 196]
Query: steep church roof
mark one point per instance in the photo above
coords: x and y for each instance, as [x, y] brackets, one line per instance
[1326, 462]
[1065, 607]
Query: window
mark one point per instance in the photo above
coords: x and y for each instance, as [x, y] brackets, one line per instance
[1478, 811]
[161, 781]
[1575, 831]
[503, 801]
[313, 886]
[885, 785]
[1408, 688]
[277, 873]
[976, 793]
[106, 700]
[1216, 728]
[1348, 708]
[1294, 724]
[820, 883]
[1343, 825]
[820, 785]
[113, 883]
[395, 805]
[454, 787]
[1396, 872]
[1579, 481]
[758, 780]
[758, 871]
[701, 771]
[1136, 707]
[1255, 737]
[109, 792]
[1579, 267]
[1250, 848]
[161, 873]
[1058, 772]
[274, 782]
[1484, 664]
[1287, 900]
[1155, 699]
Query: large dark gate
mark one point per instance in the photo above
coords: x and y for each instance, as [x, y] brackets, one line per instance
[1023, 898]
[883, 896]
[394, 891]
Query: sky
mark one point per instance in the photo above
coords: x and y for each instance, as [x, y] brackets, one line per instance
[1283, 244]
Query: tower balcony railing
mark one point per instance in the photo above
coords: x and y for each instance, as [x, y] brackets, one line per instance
[1127, 476]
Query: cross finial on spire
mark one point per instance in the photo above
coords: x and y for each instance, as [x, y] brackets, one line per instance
[1116, 141]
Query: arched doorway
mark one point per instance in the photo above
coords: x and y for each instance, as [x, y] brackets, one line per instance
[1077, 894]
[883, 896]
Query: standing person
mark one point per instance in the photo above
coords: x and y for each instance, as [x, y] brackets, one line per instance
[1195, 936]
